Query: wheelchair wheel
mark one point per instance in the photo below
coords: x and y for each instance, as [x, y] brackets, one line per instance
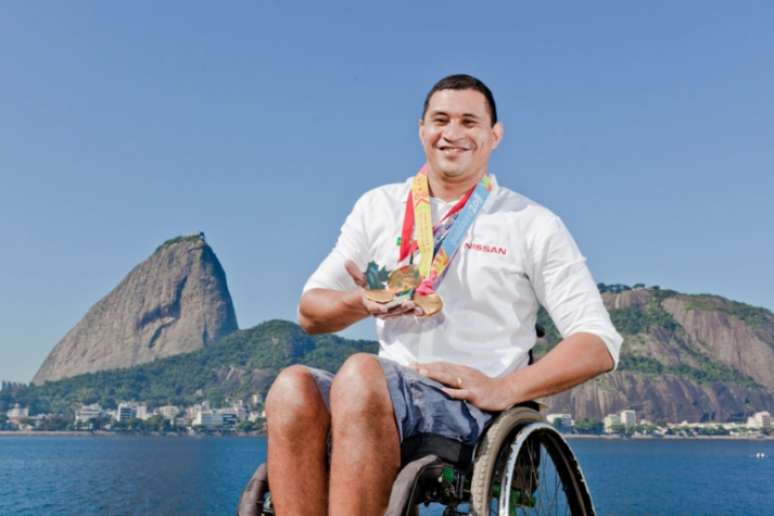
[524, 466]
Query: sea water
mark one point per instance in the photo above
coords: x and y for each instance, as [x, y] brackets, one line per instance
[183, 475]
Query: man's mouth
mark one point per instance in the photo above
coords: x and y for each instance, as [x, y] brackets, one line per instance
[453, 148]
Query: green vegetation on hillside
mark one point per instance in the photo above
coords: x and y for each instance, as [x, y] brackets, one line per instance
[193, 377]
[708, 373]
[632, 320]
[245, 362]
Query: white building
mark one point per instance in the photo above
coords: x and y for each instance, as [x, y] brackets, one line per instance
[141, 412]
[17, 413]
[610, 421]
[169, 412]
[208, 419]
[760, 420]
[628, 419]
[86, 413]
[126, 411]
[229, 418]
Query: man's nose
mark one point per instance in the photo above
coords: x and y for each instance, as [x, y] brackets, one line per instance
[452, 131]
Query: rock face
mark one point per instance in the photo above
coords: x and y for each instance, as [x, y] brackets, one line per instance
[174, 302]
[684, 357]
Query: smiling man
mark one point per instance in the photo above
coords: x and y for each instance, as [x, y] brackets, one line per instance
[456, 349]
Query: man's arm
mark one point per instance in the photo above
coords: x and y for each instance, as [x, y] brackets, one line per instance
[574, 360]
[324, 310]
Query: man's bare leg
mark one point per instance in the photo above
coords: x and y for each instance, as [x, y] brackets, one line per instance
[298, 423]
[366, 447]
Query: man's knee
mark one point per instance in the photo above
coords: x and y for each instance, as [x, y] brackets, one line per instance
[294, 401]
[359, 389]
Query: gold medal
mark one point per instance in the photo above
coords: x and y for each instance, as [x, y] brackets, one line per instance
[380, 296]
[430, 304]
[403, 279]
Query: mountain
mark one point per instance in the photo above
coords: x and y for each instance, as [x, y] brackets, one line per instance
[176, 301]
[685, 357]
[237, 366]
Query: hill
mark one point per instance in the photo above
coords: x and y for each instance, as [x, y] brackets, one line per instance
[694, 357]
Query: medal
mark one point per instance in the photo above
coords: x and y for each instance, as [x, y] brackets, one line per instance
[403, 279]
[437, 247]
[380, 296]
[430, 304]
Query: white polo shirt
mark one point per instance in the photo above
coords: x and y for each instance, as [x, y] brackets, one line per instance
[516, 254]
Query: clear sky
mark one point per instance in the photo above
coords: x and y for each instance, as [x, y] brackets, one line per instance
[649, 127]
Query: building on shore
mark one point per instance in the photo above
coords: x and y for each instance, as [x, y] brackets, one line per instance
[168, 412]
[125, 412]
[759, 420]
[610, 422]
[562, 422]
[628, 419]
[18, 414]
[208, 419]
[86, 413]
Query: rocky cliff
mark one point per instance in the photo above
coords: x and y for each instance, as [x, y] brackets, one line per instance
[174, 302]
[685, 357]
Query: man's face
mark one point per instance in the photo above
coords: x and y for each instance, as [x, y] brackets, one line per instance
[457, 134]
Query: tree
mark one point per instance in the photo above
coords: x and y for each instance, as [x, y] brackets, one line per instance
[618, 428]
[246, 426]
[589, 426]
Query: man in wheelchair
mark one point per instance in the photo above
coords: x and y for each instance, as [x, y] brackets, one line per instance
[460, 267]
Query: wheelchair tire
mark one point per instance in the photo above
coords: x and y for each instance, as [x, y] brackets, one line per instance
[522, 451]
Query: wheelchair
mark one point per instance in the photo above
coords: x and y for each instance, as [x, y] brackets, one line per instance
[521, 465]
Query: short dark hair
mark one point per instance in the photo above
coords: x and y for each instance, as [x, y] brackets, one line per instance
[463, 81]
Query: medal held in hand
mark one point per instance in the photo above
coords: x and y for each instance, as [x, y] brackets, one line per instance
[437, 246]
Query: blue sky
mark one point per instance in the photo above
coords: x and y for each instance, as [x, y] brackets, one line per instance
[648, 128]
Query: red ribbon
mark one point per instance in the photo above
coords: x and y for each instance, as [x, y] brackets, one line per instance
[407, 244]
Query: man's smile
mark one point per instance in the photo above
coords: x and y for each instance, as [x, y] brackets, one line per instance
[453, 149]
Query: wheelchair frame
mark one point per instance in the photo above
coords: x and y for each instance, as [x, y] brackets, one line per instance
[429, 479]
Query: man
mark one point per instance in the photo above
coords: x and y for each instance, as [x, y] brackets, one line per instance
[443, 373]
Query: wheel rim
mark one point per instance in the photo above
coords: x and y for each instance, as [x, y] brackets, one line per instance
[543, 476]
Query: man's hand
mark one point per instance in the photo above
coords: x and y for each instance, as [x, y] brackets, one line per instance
[378, 309]
[467, 383]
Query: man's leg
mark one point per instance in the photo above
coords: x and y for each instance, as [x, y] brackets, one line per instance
[298, 423]
[366, 445]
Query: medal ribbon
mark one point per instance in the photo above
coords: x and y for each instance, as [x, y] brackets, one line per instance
[436, 256]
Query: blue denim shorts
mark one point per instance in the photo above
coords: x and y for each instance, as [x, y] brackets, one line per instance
[420, 406]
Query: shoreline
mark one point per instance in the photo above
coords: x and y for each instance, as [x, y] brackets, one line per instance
[670, 437]
[104, 433]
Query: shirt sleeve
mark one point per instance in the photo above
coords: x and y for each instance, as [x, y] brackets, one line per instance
[564, 286]
[352, 244]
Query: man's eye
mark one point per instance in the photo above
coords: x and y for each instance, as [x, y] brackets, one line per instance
[469, 123]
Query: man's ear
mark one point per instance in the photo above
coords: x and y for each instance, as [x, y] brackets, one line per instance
[498, 131]
[421, 130]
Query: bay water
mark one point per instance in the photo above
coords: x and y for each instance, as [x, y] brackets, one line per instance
[202, 476]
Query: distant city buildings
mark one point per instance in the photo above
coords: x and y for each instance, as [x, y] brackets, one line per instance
[250, 415]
